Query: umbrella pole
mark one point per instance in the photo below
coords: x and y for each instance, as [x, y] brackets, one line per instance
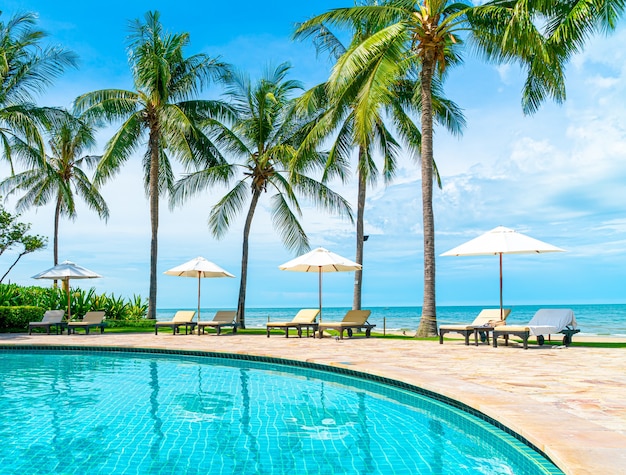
[501, 307]
[320, 290]
[69, 308]
[198, 302]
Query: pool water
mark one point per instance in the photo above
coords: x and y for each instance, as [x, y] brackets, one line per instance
[132, 413]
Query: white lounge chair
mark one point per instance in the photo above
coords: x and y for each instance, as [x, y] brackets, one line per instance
[222, 318]
[305, 318]
[52, 318]
[547, 321]
[353, 320]
[182, 318]
[487, 316]
[90, 320]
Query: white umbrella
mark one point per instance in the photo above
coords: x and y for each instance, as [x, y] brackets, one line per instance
[65, 271]
[198, 268]
[500, 241]
[320, 260]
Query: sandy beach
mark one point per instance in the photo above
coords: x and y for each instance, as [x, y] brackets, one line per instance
[569, 402]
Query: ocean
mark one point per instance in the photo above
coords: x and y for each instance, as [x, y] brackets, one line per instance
[601, 320]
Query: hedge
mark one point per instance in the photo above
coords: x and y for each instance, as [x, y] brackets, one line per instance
[17, 318]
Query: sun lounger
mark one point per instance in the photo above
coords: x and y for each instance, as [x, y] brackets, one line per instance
[90, 320]
[222, 318]
[489, 317]
[52, 318]
[547, 321]
[353, 320]
[305, 318]
[182, 318]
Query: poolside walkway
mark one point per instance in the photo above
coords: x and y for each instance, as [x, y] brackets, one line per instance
[569, 402]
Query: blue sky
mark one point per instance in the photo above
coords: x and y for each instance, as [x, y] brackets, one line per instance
[558, 176]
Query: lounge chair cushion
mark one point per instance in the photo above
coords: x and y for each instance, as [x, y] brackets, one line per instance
[485, 316]
[547, 321]
[222, 317]
[182, 316]
[305, 318]
[356, 319]
[551, 320]
[50, 317]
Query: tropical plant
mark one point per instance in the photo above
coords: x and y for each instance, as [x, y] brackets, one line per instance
[9, 295]
[161, 109]
[136, 307]
[264, 137]
[427, 35]
[59, 177]
[26, 68]
[51, 298]
[357, 106]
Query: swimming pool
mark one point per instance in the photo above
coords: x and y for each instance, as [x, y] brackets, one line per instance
[103, 412]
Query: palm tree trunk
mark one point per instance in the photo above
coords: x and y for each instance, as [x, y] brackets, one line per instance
[428, 322]
[55, 245]
[241, 302]
[57, 214]
[154, 220]
[358, 275]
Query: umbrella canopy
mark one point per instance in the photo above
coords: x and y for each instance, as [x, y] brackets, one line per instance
[500, 241]
[65, 271]
[198, 268]
[320, 260]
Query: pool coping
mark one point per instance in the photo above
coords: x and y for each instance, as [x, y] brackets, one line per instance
[574, 442]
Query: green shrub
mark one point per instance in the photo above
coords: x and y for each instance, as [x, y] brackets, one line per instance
[82, 301]
[16, 318]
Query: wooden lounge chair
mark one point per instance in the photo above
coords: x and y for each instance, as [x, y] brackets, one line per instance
[222, 318]
[486, 317]
[547, 321]
[305, 318]
[182, 318]
[52, 318]
[353, 320]
[90, 320]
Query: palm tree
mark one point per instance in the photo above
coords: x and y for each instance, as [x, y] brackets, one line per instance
[543, 36]
[162, 109]
[59, 177]
[264, 138]
[26, 68]
[430, 34]
[357, 110]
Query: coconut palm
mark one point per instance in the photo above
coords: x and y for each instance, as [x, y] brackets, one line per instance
[427, 35]
[159, 114]
[356, 111]
[26, 68]
[544, 35]
[262, 141]
[60, 176]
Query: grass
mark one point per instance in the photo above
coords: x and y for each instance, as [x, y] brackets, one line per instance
[294, 334]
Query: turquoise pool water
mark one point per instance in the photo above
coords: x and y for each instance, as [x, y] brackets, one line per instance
[133, 413]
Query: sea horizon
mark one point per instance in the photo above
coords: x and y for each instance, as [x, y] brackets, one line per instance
[592, 319]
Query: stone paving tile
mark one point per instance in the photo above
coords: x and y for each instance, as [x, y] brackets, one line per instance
[569, 402]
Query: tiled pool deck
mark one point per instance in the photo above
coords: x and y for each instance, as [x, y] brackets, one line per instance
[568, 402]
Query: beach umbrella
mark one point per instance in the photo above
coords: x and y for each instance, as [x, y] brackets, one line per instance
[501, 241]
[65, 271]
[320, 260]
[199, 268]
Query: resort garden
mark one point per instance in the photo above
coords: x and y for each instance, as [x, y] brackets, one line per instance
[267, 135]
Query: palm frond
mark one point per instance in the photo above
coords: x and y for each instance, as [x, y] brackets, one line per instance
[227, 209]
[286, 223]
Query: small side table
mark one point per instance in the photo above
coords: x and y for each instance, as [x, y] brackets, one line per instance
[482, 328]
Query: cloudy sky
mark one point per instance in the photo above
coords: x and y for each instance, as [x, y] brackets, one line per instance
[559, 176]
